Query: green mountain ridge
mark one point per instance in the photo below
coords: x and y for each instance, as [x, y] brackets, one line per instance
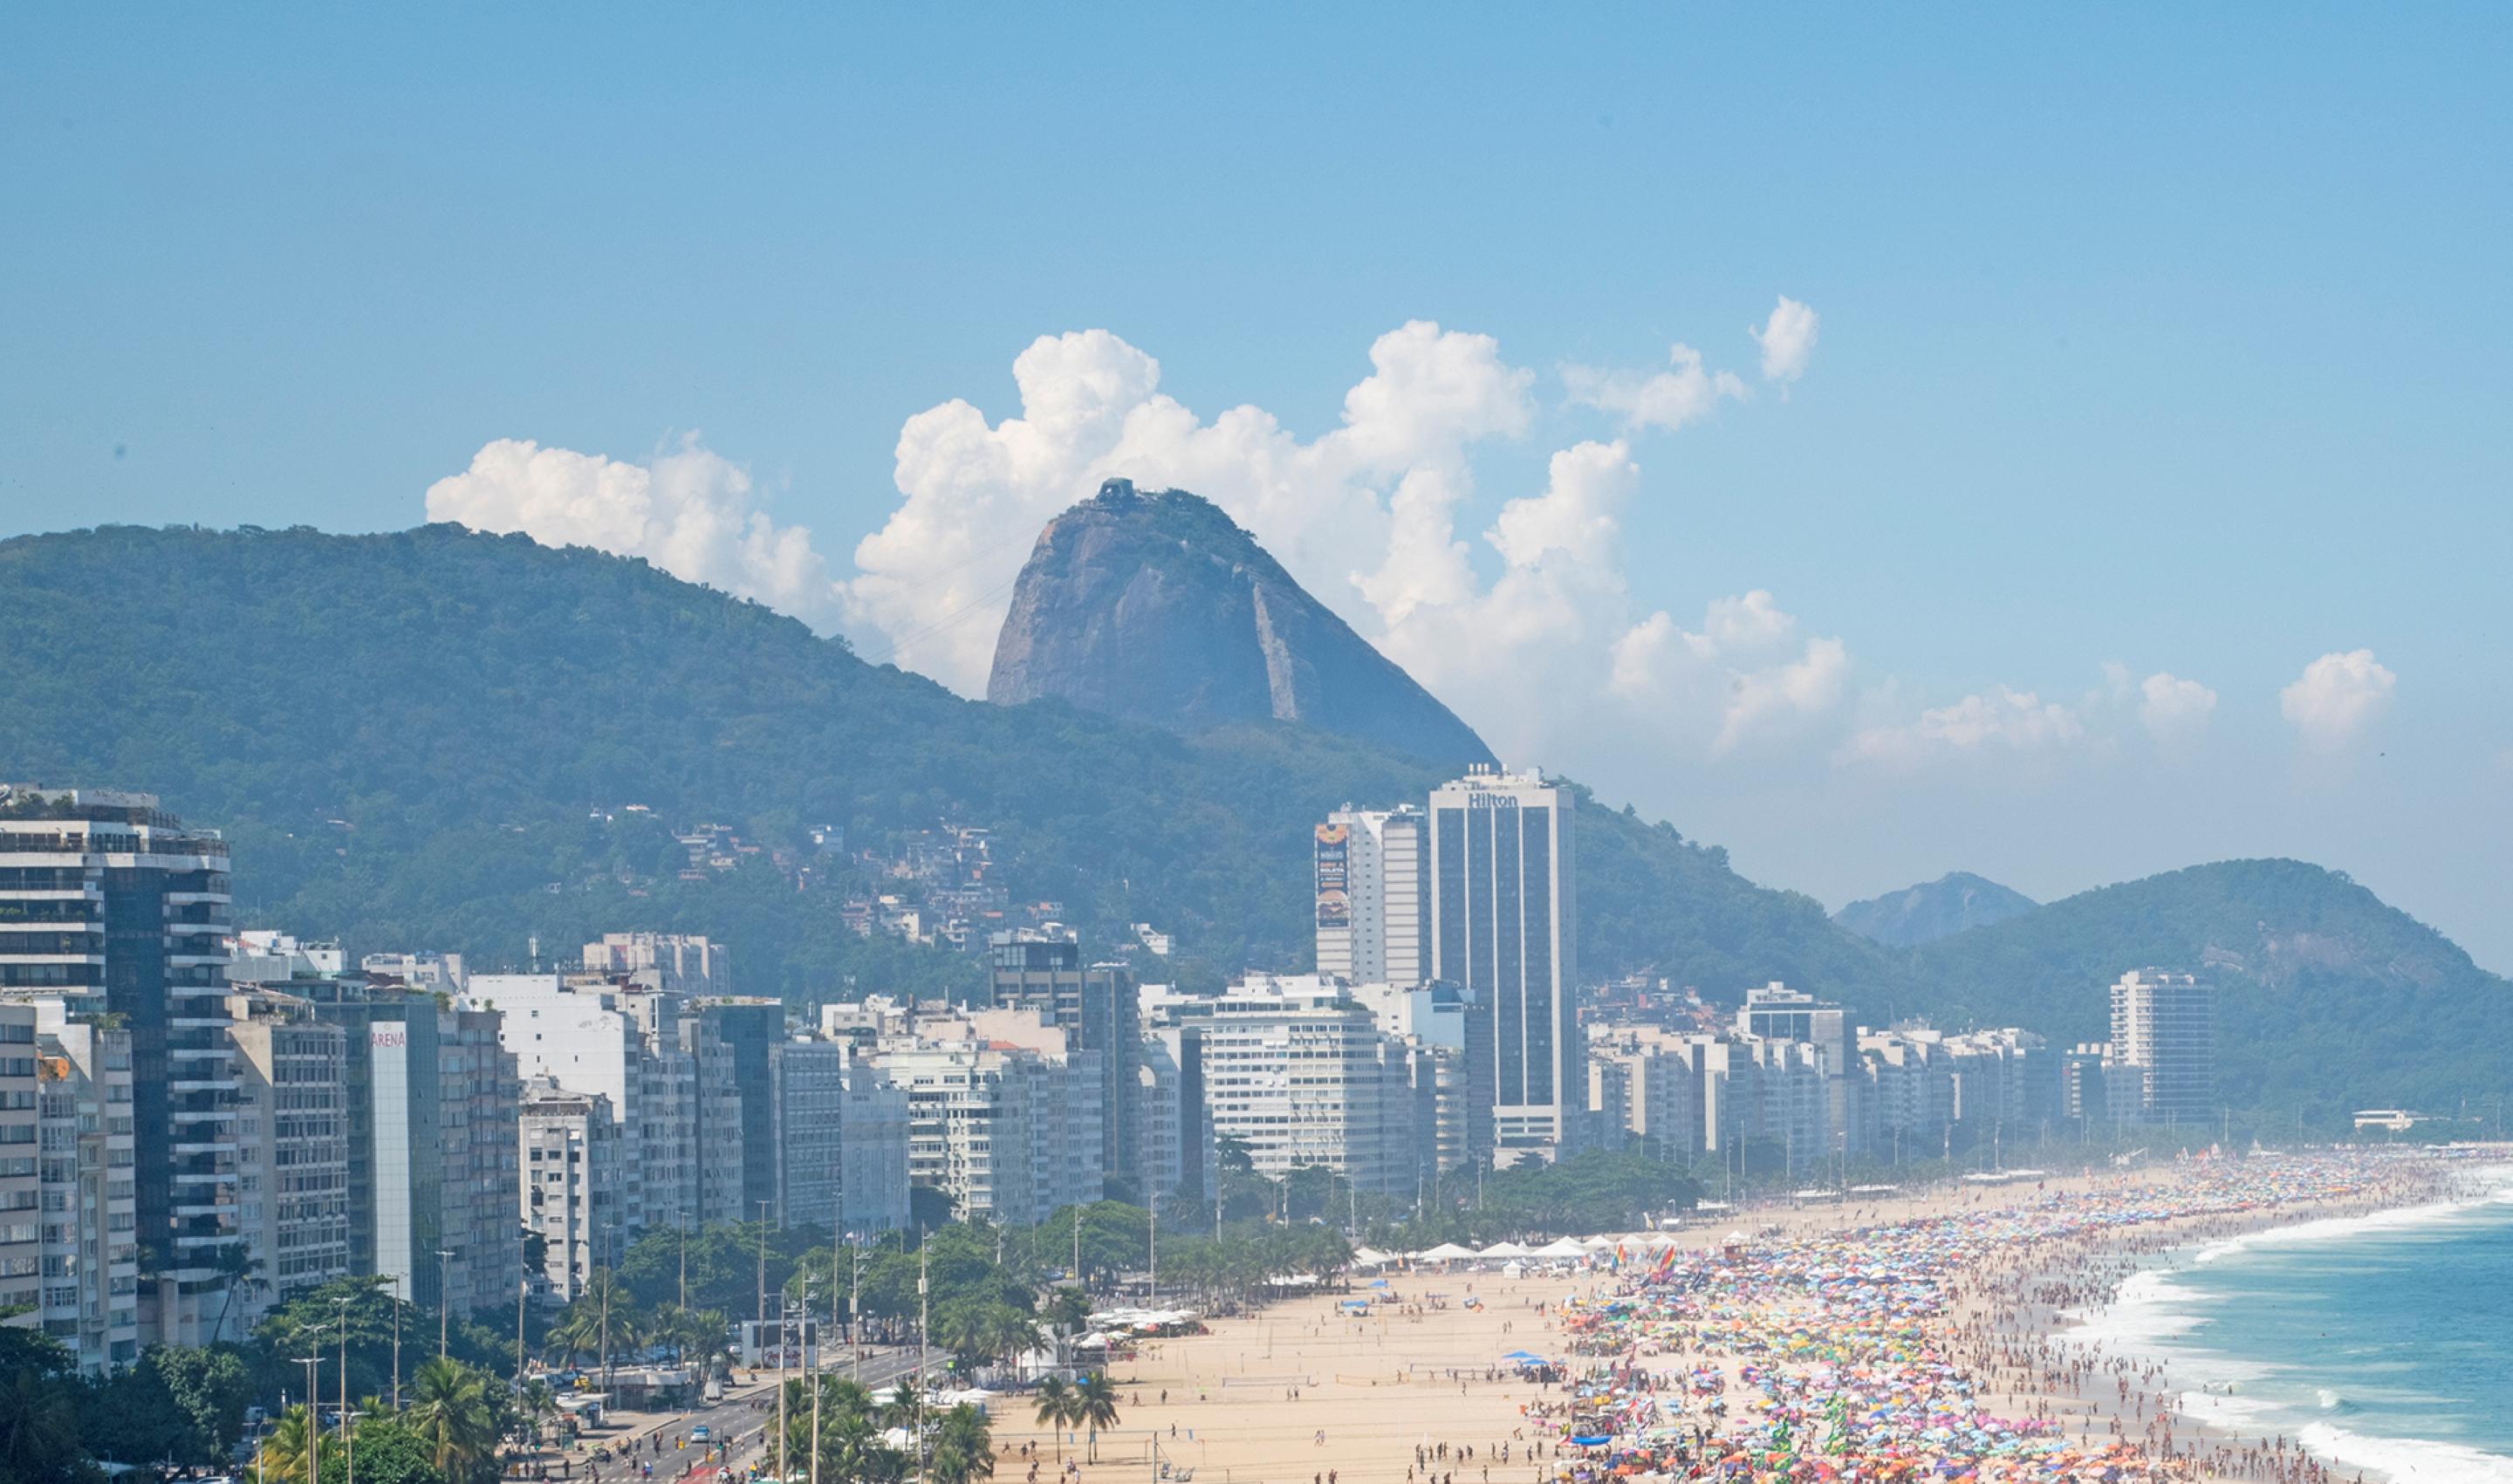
[2328, 1000]
[407, 737]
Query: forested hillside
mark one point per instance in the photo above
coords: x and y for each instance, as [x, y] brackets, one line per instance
[2320, 985]
[432, 738]
[408, 738]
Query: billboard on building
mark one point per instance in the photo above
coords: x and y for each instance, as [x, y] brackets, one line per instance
[1335, 899]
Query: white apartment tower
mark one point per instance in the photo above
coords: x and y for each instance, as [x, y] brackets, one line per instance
[1297, 1069]
[91, 1267]
[1501, 912]
[570, 1159]
[2164, 1038]
[292, 1148]
[1371, 869]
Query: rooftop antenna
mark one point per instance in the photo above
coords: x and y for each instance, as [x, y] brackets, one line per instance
[534, 945]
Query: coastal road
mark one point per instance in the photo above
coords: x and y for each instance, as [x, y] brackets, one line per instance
[736, 1419]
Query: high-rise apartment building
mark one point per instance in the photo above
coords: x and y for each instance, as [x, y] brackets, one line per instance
[105, 897]
[1454, 1030]
[1774, 1012]
[570, 1184]
[838, 1139]
[1296, 1069]
[624, 1043]
[2164, 1048]
[21, 1236]
[292, 1148]
[1172, 1140]
[1039, 971]
[432, 1101]
[1643, 1091]
[1003, 1113]
[91, 1259]
[1372, 879]
[749, 1028]
[1502, 904]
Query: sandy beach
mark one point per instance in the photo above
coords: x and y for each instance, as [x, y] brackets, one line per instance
[1987, 1279]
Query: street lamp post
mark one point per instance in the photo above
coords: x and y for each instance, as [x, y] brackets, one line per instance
[811, 1373]
[444, 1296]
[396, 1379]
[313, 1416]
[344, 1368]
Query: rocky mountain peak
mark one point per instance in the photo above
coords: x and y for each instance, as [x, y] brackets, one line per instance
[1156, 607]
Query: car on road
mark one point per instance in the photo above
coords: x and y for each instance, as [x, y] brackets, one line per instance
[701, 1433]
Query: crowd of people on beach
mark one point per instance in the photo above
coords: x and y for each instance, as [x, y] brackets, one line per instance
[1934, 1349]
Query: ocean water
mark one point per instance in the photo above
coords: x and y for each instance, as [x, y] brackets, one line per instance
[2384, 1343]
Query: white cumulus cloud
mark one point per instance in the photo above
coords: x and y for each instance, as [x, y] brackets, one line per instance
[937, 575]
[2174, 711]
[1747, 675]
[1528, 629]
[687, 509]
[2002, 722]
[2337, 698]
[1787, 340]
[1669, 399]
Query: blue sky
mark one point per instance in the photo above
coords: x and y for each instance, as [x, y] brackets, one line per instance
[2172, 338]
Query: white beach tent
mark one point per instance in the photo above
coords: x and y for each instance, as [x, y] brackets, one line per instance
[1446, 1252]
[1561, 1247]
[1371, 1257]
[1504, 1251]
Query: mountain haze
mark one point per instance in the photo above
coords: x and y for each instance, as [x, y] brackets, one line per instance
[1157, 607]
[1933, 909]
[2320, 984]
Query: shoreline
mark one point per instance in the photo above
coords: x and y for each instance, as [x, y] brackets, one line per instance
[2223, 1438]
[1964, 1302]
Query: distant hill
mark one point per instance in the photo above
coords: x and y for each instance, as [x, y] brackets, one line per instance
[1156, 607]
[407, 736]
[2328, 1000]
[1934, 910]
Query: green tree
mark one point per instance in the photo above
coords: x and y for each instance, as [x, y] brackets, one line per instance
[293, 1447]
[1095, 1407]
[452, 1413]
[964, 1449]
[211, 1387]
[1055, 1404]
[849, 1441]
[390, 1452]
[39, 1422]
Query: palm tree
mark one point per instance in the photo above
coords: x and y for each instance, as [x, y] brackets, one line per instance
[1056, 1409]
[964, 1449]
[38, 1427]
[451, 1411]
[850, 1442]
[1011, 1333]
[966, 1329]
[534, 1405]
[576, 1331]
[236, 1264]
[283, 1449]
[1095, 1407]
